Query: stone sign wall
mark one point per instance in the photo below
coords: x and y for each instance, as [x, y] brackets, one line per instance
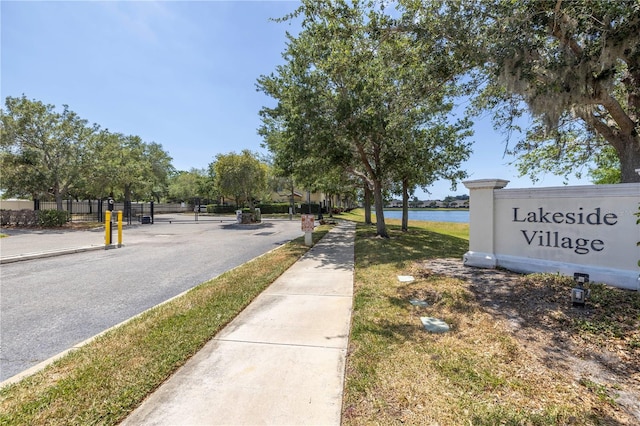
[585, 229]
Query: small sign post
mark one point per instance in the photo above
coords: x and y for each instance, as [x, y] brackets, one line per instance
[307, 227]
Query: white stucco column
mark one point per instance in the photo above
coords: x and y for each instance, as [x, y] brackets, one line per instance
[482, 222]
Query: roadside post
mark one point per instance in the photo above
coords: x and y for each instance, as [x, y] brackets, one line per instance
[108, 224]
[307, 228]
[119, 228]
[107, 229]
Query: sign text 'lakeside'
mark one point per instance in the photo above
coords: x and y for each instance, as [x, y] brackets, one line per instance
[553, 239]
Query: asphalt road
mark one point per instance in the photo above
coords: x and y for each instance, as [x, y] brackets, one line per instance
[48, 305]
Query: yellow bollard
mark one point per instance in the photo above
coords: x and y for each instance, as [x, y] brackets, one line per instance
[107, 229]
[119, 228]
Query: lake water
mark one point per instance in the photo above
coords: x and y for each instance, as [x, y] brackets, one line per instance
[459, 216]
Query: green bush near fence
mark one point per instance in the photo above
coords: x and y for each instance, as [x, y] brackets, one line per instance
[304, 208]
[18, 218]
[44, 218]
[51, 218]
[275, 208]
[267, 208]
[218, 209]
[283, 208]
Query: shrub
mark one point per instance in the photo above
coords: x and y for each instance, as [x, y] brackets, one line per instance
[18, 218]
[22, 218]
[5, 217]
[274, 208]
[221, 209]
[304, 208]
[49, 218]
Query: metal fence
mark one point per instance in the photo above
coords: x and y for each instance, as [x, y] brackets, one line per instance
[79, 211]
[94, 210]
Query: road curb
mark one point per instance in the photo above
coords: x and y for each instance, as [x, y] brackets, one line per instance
[50, 253]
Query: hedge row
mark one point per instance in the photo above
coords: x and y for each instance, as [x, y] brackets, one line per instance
[215, 208]
[45, 218]
[275, 208]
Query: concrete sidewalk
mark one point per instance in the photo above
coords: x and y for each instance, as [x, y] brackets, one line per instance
[281, 361]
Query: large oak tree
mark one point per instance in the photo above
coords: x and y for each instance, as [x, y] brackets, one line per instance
[574, 65]
[240, 176]
[357, 95]
[42, 151]
[128, 167]
[45, 153]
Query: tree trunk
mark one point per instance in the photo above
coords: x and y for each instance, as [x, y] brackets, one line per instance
[250, 203]
[58, 196]
[405, 206]
[381, 229]
[127, 192]
[367, 204]
[630, 161]
[627, 148]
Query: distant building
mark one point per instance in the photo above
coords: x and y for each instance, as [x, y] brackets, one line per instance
[302, 197]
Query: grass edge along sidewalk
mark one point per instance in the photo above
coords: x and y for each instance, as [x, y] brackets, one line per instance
[526, 357]
[103, 381]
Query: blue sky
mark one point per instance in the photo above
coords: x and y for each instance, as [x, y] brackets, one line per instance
[178, 73]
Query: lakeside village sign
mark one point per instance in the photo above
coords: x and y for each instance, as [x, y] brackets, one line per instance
[543, 238]
[580, 229]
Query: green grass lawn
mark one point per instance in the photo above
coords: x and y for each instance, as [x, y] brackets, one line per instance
[479, 373]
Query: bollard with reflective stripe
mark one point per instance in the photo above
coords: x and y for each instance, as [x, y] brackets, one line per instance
[119, 228]
[107, 229]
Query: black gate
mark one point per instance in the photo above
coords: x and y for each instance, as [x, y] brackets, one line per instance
[79, 211]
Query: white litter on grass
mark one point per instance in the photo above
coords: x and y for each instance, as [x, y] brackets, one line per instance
[416, 302]
[405, 278]
[434, 325]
